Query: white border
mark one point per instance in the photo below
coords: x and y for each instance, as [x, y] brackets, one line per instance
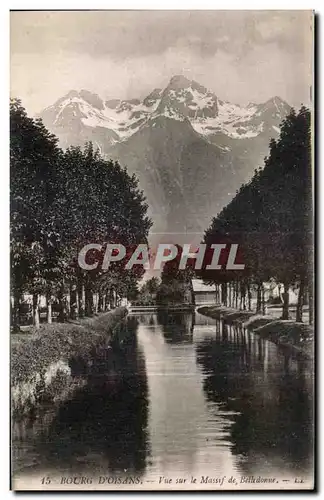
[317, 5]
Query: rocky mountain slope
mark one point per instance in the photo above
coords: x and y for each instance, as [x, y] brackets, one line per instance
[190, 150]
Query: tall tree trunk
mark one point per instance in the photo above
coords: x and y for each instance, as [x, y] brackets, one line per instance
[81, 299]
[62, 316]
[285, 305]
[229, 289]
[249, 296]
[103, 302]
[259, 301]
[115, 298]
[68, 303]
[100, 302]
[12, 312]
[111, 298]
[300, 302]
[49, 308]
[217, 293]
[263, 300]
[96, 302]
[243, 297]
[108, 300]
[74, 305]
[16, 310]
[224, 294]
[311, 302]
[88, 300]
[36, 310]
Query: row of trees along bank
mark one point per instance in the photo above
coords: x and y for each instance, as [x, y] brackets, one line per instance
[271, 218]
[60, 201]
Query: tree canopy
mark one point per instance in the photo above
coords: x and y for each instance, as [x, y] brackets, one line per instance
[60, 201]
[271, 217]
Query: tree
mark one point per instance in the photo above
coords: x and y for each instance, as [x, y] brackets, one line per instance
[34, 158]
[103, 204]
[148, 292]
[60, 201]
[176, 284]
[271, 219]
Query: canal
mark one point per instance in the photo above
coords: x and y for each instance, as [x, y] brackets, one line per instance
[185, 396]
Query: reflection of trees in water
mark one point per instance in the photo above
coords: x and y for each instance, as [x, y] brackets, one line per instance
[273, 405]
[108, 417]
[223, 364]
[177, 328]
[200, 319]
[146, 319]
[281, 427]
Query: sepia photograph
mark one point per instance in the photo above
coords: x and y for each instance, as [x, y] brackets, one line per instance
[162, 250]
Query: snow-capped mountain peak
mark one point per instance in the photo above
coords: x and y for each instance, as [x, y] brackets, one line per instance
[189, 149]
[182, 99]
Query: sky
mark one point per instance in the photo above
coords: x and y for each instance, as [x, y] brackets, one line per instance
[242, 56]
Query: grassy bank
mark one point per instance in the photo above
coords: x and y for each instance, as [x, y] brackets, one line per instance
[288, 333]
[44, 362]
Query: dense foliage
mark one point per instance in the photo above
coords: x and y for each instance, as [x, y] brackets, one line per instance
[173, 289]
[60, 201]
[271, 218]
[176, 284]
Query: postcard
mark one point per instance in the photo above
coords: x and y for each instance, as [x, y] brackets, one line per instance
[162, 250]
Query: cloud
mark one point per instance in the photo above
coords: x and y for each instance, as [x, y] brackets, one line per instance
[133, 33]
[241, 55]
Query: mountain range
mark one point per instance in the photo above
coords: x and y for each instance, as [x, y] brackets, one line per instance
[190, 150]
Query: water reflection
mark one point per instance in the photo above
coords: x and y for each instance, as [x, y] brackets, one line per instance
[180, 394]
[107, 420]
[177, 328]
[184, 438]
[272, 419]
